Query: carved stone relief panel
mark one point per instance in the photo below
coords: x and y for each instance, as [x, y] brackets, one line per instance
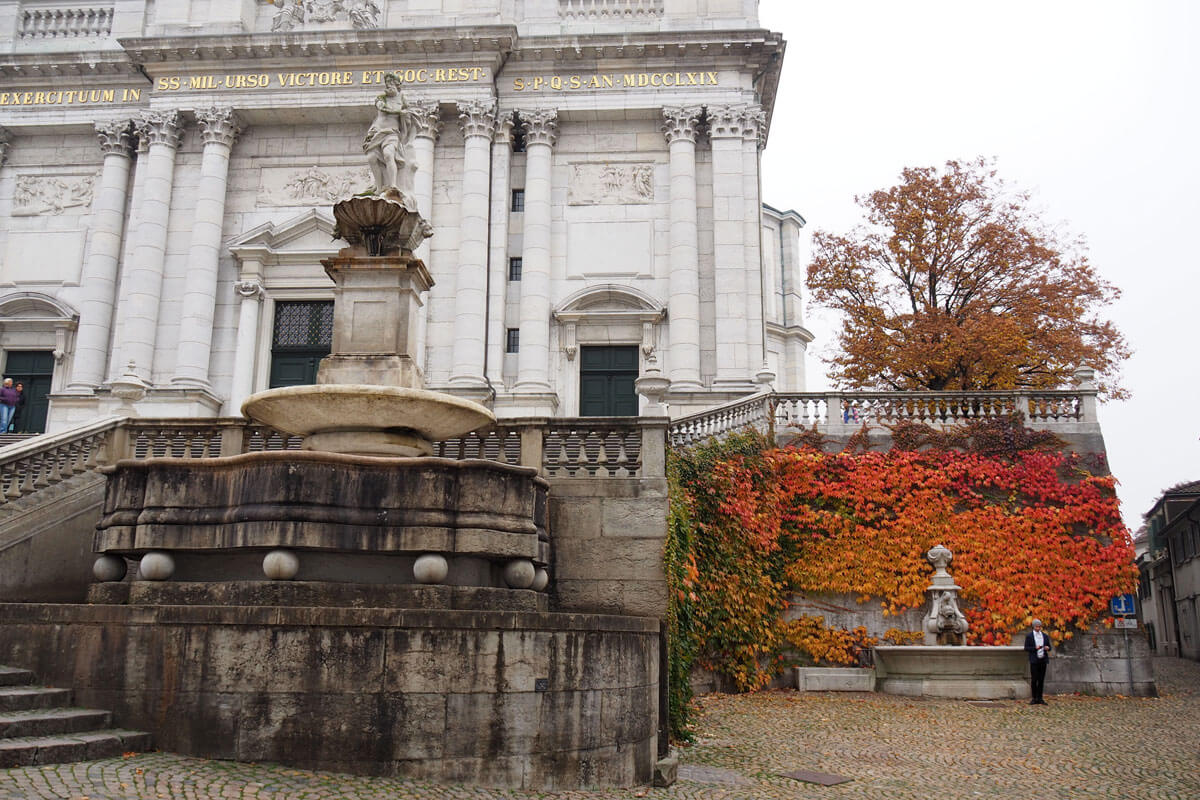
[611, 184]
[360, 14]
[35, 195]
[293, 186]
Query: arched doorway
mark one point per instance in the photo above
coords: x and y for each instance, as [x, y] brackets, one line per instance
[36, 331]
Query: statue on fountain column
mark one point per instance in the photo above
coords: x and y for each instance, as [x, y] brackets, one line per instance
[388, 143]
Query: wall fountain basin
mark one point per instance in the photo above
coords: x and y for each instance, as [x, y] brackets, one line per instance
[969, 673]
[367, 420]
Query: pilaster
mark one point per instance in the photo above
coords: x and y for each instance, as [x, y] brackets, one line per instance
[680, 128]
[99, 282]
[533, 359]
[429, 125]
[726, 132]
[162, 130]
[499, 286]
[250, 294]
[219, 127]
[753, 132]
[477, 119]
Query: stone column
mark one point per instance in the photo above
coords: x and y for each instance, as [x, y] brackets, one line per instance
[726, 125]
[683, 366]
[99, 282]
[429, 125]
[502, 142]
[533, 359]
[478, 121]
[142, 286]
[753, 133]
[251, 294]
[219, 127]
[116, 364]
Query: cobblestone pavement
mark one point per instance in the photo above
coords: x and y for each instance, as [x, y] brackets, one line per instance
[894, 748]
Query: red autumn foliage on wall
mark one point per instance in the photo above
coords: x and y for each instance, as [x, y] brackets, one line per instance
[1034, 533]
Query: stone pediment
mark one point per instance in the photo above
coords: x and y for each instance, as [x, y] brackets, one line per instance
[34, 307]
[610, 301]
[307, 238]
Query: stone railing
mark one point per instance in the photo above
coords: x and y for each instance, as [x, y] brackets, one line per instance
[45, 461]
[65, 23]
[835, 412]
[607, 447]
[609, 10]
[753, 411]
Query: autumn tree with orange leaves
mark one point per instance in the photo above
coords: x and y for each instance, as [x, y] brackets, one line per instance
[953, 283]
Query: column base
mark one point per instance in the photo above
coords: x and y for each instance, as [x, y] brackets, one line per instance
[471, 388]
[525, 404]
[686, 385]
[186, 383]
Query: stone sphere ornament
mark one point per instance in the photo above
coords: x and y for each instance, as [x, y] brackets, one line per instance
[541, 579]
[281, 565]
[109, 569]
[156, 566]
[431, 568]
[519, 573]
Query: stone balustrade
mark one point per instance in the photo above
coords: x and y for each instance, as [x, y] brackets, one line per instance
[45, 461]
[834, 413]
[604, 10]
[66, 23]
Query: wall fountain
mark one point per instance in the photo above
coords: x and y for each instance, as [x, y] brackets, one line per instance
[943, 666]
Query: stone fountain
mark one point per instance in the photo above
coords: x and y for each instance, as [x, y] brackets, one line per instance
[360, 605]
[944, 666]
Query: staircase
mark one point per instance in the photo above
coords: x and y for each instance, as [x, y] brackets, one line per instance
[38, 726]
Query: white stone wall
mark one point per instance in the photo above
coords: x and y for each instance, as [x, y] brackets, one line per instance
[603, 243]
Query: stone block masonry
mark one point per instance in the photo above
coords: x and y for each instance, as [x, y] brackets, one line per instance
[501, 698]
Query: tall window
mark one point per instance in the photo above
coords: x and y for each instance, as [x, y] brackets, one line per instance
[514, 269]
[512, 340]
[518, 200]
[303, 336]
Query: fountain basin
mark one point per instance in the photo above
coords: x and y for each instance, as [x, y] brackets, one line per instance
[366, 420]
[969, 673]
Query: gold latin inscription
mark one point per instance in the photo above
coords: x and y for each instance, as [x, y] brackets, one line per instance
[330, 78]
[620, 80]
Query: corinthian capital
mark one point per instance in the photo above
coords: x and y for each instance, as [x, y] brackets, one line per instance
[218, 125]
[160, 127]
[504, 128]
[541, 126]
[477, 118]
[5, 143]
[428, 118]
[727, 122]
[116, 136]
[755, 125]
[679, 122]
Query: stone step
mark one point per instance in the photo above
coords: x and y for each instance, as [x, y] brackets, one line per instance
[49, 722]
[33, 750]
[25, 698]
[11, 676]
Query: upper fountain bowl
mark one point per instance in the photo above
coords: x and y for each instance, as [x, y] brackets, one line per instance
[366, 420]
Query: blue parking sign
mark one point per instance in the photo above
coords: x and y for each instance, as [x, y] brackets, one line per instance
[1122, 605]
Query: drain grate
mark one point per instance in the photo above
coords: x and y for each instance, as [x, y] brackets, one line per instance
[820, 778]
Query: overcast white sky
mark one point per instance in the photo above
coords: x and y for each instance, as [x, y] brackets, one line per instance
[1093, 105]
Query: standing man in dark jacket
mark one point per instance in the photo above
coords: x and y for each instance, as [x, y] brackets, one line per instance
[1037, 645]
[19, 411]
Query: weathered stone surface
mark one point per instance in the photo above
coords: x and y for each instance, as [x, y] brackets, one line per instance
[530, 700]
[334, 504]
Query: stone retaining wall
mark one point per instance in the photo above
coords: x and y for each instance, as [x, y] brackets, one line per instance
[530, 700]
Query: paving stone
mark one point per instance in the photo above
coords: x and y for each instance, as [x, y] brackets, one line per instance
[892, 748]
[23, 698]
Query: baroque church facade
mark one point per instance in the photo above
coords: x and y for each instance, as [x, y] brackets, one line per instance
[591, 169]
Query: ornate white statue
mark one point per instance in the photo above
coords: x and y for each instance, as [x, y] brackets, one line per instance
[388, 143]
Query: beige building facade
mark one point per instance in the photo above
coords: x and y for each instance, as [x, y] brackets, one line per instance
[591, 169]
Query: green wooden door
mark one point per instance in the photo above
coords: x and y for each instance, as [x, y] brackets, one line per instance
[302, 337]
[606, 376]
[34, 370]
